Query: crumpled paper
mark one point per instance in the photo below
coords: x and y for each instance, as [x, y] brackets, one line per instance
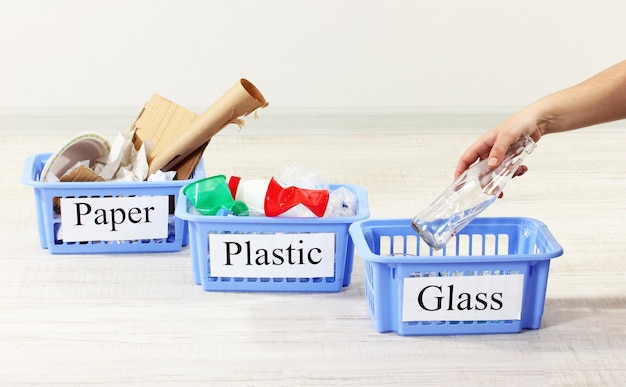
[162, 176]
[124, 163]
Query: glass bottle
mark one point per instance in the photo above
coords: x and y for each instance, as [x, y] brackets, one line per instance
[468, 196]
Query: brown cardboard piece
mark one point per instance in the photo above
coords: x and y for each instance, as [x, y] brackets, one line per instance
[81, 174]
[180, 136]
[159, 123]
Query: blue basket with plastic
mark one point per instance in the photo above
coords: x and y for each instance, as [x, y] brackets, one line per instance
[107, 217]
[272, 254]
[490, 278]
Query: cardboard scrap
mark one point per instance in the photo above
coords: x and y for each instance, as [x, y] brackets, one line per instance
[180, 136]
[81, 174]
[159, 123]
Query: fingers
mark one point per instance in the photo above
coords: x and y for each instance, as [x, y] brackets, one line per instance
[520, 171]
[464, 163]
[493, 145]
[500, 146]
[478, 151]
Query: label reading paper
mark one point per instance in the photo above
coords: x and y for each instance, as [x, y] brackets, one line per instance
[463, 298]
[272, 255]
[110, 219]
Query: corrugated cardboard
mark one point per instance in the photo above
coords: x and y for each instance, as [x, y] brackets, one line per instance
[81, 174]
[160, 122]
[180, 136]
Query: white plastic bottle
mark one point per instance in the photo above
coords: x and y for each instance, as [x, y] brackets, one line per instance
[252, 192]
[268, 197]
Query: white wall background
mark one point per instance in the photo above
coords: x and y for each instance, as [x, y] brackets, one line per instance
[303, 53]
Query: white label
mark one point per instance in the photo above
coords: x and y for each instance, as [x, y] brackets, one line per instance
[110, 219]
[272, 255]
[463, 298]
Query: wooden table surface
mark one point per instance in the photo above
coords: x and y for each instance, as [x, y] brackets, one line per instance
[138, 319]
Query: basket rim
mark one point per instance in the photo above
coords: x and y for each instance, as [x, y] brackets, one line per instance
[29, 171]
[358, 228]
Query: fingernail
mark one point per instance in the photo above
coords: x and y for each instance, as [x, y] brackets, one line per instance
[492, 162]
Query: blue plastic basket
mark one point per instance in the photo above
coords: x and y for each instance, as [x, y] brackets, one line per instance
[49, 220]
[201, 227]
[394, 255]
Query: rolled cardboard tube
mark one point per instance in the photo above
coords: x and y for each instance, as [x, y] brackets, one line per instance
[242, 99]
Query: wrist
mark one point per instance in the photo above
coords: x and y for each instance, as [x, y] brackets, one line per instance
[543, 117]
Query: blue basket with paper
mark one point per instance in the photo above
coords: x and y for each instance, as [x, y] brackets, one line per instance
[491, 277]
[106, 217]
[272, 254]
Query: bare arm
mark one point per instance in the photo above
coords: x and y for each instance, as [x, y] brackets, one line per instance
[599, 99]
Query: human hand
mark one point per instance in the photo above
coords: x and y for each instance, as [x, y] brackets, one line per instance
[522, 169]
[493, 144]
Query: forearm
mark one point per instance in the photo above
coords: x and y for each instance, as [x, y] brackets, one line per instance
[601, 98]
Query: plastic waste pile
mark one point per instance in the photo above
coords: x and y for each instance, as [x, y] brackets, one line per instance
[299, 192]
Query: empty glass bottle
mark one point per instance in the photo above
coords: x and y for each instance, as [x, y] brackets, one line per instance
[469, 195]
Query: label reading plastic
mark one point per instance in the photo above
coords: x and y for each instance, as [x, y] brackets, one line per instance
[272, 255]
[463, 298]
[114, 218]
